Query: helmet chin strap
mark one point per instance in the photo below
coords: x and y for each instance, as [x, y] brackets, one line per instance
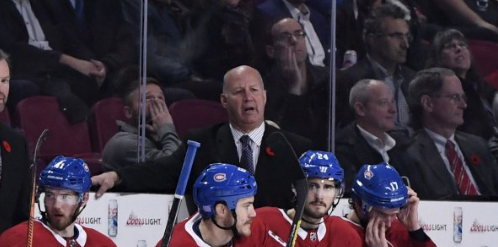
[232, 227]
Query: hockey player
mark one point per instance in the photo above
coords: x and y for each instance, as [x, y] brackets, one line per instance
[224, 195]
[385, 211]
[64, 185]
[325, 177]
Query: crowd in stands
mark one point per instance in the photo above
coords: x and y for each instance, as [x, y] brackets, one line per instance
[416, 84]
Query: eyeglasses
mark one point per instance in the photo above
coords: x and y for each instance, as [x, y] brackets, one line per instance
[51, 198]
[399, 36]
[454, 98]
[454, 46]
[285, 37]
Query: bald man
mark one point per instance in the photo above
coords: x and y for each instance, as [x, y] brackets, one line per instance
[244, 98]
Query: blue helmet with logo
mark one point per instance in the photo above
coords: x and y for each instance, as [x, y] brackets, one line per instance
[321, 164]
[380, 186]
[66, 173]
[222, 183]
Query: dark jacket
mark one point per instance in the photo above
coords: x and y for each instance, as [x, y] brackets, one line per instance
[274, 177]
[436, 182]
[15, 184]
[353, 151]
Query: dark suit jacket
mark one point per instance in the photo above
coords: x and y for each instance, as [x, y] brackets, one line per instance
[274, 177]
[15, 184]
[437, 182]
[353, 151]
[104, 34]
[26, 59]
[362, 70]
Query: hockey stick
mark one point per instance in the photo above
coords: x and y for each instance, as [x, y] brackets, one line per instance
[180, 190]
[281, 145]
[31, 222]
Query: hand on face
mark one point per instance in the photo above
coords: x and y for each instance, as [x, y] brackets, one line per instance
[159, 114]
[289, 69]
[375, 234]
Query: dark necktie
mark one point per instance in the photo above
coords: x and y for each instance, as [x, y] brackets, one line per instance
[246, 159]
[461, 177]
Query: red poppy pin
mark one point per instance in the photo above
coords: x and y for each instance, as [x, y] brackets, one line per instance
[6, 145]
[475, 160]
[269, 152]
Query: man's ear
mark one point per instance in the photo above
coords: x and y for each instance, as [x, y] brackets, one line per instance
[359, 109]
[127, 112]
[270, 51]
[426, 102]
[220, 209]
[223, 100]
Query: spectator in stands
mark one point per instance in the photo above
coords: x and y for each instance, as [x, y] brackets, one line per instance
[64, 186]
[15, 178]
[297, 90]
[244, 97]
[476, 22]
[316, 27]
[161, 137]
[385, 211]
[100, 27]
[221, 38]
[166, 55]
[449, 161]
[450, 50]
[387, 39]
[350, 24]
[171, 47]
[46, 54]
[366, 141]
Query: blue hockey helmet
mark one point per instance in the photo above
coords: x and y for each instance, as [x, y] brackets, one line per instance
[66, 173]
[321, 164]
[222, 183]
[380, 186]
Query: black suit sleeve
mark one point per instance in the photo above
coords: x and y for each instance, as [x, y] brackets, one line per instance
[161, 175]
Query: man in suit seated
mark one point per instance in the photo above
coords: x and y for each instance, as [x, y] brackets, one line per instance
[387, 36]
[244, 97]
[449, 161]
[366, 141]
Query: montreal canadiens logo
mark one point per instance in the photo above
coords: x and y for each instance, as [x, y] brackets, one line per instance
[85, 166]
[368, 174]
[220, 177]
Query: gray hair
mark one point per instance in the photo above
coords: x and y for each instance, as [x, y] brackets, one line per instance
[359, 92]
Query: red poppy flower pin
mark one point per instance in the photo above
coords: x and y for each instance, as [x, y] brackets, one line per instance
[7, 147]
[475, 159]
[269, 152]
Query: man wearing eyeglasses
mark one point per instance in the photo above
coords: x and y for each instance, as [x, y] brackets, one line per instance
[449, 161]
[63, 189]
[387, 37]
[297, 90]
